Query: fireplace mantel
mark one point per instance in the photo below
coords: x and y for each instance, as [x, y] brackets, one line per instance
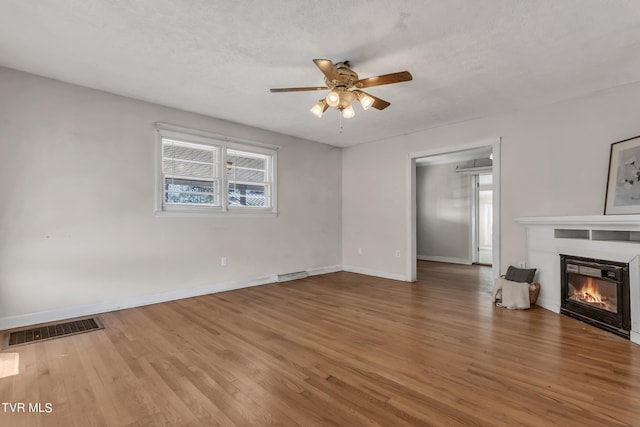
[607, 237]
[631, 222]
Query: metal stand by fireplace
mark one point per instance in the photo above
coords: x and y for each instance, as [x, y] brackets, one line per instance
[597, 292]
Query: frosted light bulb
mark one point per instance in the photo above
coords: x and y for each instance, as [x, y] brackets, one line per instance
[366, 101]
[318, 109]
[348, 112]
[333, 99]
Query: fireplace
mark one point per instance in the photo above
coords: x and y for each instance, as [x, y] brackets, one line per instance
[597, 292]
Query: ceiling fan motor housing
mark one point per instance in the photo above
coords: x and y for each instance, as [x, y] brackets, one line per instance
[346, 99]
[347, 77]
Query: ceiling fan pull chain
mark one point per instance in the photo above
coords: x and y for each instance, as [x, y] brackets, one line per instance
[340, 115]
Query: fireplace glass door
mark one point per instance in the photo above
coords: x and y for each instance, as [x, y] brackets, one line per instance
[593, 292]
[597, 292]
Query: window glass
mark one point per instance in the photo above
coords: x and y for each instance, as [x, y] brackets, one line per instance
[248, 178]
[196, 170]
[190, 173]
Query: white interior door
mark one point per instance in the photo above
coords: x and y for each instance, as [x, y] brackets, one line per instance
[484, 219]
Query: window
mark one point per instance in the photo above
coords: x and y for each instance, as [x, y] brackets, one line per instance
[247, 178]
[190, 173]
[196, 167]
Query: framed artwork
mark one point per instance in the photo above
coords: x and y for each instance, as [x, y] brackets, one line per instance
[623, 184]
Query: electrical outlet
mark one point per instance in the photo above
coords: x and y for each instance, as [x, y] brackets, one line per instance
[359, 251]
[223, 261]
[522, 264]
[397, 253]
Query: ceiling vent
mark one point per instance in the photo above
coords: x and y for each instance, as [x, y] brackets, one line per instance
[474, 167]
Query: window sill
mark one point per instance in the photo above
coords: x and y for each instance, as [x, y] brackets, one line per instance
[199, 213]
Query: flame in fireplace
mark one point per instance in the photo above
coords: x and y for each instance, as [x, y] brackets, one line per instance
[590, 293]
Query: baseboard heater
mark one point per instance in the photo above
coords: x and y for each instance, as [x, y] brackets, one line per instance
[292, 276]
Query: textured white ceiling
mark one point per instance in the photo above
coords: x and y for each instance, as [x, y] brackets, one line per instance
[469, 58]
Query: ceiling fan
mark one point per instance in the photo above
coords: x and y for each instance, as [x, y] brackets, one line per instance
[345, 87]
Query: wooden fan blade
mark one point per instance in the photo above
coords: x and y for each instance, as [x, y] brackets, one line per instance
[378, 103]
[328, 68]
[402, 76]
[298, 89]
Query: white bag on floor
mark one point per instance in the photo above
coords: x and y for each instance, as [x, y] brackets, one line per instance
[508, 294]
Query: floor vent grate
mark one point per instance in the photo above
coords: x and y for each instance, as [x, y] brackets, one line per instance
[47, 332]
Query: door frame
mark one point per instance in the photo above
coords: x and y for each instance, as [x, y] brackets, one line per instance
[411, 267]
[475, 219]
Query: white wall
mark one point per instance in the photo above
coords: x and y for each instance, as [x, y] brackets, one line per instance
[443, 213]
[77, 225]
[77, 230]
[554, 161]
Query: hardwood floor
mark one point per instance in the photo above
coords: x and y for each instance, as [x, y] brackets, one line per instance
[339, 349]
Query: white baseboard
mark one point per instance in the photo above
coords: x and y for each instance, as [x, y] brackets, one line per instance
[549, 305]
[376, 273]
[324, 270]
[11, 322]
[445, 259]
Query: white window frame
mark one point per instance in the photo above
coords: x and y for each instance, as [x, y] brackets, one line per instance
[215, 179]
[269, 170]
[223, 143]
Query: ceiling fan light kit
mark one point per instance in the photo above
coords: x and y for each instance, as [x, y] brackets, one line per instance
[333, 99]
[345, 86]
[348, 112]
[319, 109]
[365, 100]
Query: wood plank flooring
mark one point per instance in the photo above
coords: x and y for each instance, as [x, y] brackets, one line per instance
[335, 350]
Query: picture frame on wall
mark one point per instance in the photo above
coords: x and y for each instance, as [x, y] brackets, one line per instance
[623, 183]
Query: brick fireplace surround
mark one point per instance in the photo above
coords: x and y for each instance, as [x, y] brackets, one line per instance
[606, 237]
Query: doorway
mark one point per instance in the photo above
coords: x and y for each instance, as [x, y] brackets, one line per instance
[493, 145]
[483, 219]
